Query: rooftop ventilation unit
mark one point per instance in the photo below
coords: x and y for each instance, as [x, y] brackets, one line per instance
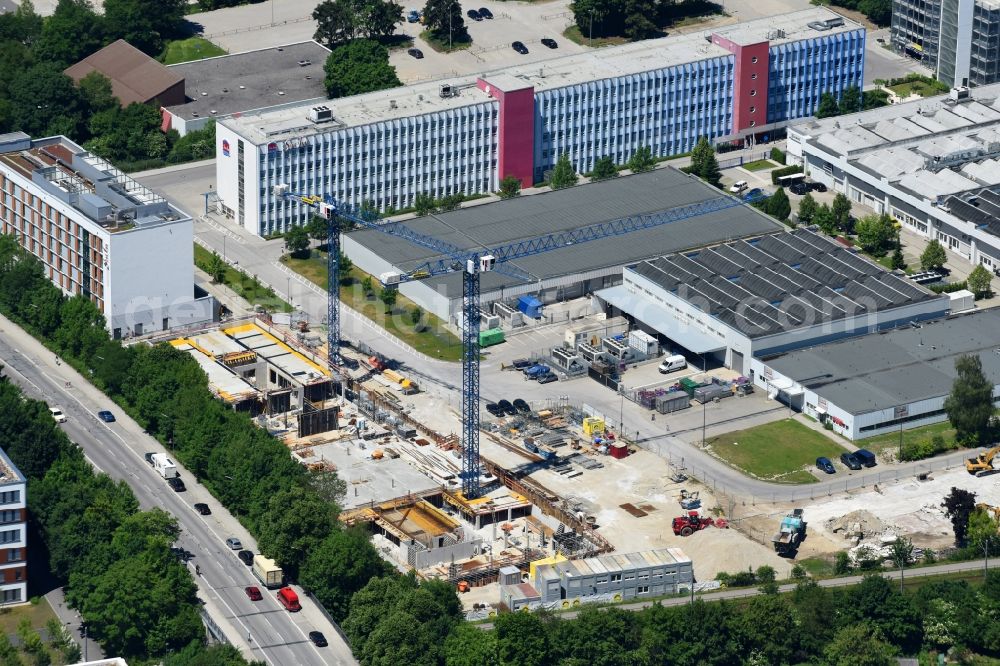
[320, 114]
[305, 63]
[960, 94]
[447, 90]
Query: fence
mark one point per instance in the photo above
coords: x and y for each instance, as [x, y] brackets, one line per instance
[742, 159]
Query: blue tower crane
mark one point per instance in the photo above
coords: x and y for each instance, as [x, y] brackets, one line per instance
[472, 262]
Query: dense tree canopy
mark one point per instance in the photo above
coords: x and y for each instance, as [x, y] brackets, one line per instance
[358, 67]
[969, 406]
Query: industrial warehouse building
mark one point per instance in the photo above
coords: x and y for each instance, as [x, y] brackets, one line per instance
[466, 134]
[101, 234]
[766, 295]
[881, 382]
[933, 164]
[568, 272]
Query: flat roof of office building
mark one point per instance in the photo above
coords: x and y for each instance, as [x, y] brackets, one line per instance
[508, 221]
[780, 282]
[557, 72]
[252, 80]
[931, 148]
[9, 473]
[896, 367]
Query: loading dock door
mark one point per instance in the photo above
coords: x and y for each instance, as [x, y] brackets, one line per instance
[737, 363]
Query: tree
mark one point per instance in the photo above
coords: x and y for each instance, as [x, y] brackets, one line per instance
[379, 19]
[824, 219]
[969, 406]
[902, 555]
[984, 531]
[450, 202]
[859, 645]
[443, 19]
[768, 626]
[297, 240]
[807, 209]
[850, 100]
[897, 262]
[284, 536]
[510, 187]
[978, 281]
[874, 99]
[96, 91]
[841, 563]
[877, 603]
[42, 99]
[563, 175]
[878, 12]
[521, 640]
[641, 160]
[700, 154]
[638, 24]
[424, 204]
[216, 268]
[339, 566]
[399, 639]
[469, 646]
[875, 233]
[958, 506]
[827, 106]
[359, 67]
[933, 256]
[73, 32]
[336, 22]
[145, 24]
[709, 171]
[604, 168]
[317, 227]
[778, 205]
[346, 266]
[388, 298]
[698, 633]
[841, 210]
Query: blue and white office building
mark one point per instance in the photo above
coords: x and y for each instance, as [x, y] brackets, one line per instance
[466, 134]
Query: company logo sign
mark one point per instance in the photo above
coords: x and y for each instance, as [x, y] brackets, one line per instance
[225, 147]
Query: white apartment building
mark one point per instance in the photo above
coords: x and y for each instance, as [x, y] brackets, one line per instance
[13, 533]
[101, 234]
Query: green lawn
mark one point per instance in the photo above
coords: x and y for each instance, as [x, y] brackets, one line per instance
[917, 437]
[574, 34]
[434, 340]
[780, 451]
[245, 285]
[921, 88]
[192, 48]
[38, 614]
[760, 165]
[441, 46]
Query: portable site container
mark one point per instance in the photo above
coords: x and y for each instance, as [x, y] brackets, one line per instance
[530, 306]
[493, 336]
[673, 402]
[689, 385]
[644, 343]
[708, 392]
[593, 425]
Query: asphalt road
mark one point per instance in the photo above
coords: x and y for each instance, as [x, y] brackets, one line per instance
[263, 630]
[743, 593]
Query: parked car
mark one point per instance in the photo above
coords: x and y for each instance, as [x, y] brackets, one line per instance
[536, 371]
[253, 593]
[549, 42]
[521, 363]
[799, 188]
[817, 187]
[850, 461]
[494, 409]
[485, 13]
[522, 406]
[318, 639]
[413, 16]
[520, 48]
[474, 15]
[672, 364]
[106, 416]
[176, 483]
[866, 457]
[753, 194]
[738, 186]
[506, 407]
[234, 543]
[203, 509]
[246, 557]
[824, 464]
[416, 53]
[57, 414]
[548, 378]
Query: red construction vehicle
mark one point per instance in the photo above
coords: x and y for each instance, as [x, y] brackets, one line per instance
[376, 363]
[691, 523]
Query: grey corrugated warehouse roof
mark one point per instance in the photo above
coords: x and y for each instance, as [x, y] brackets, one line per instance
[781, 282]
[526, 217]
[895, 367]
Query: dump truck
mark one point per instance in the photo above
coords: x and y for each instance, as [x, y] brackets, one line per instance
[163, 465]
[790, 533]
[982, 464]
[268, 572]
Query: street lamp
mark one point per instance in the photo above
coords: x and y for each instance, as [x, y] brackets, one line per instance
[704, 406]
[590, 39]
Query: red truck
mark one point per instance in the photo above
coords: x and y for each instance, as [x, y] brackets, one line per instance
[288, 599]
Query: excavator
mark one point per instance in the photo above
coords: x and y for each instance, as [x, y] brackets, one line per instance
[995, 510]
[982, 464]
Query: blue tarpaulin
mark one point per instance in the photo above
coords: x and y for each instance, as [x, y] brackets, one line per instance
[530, 306]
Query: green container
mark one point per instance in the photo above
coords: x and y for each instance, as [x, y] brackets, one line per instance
[688, 385]
[490, 337]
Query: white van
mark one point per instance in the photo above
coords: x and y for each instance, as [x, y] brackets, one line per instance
[738, 186]
[673, 364]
